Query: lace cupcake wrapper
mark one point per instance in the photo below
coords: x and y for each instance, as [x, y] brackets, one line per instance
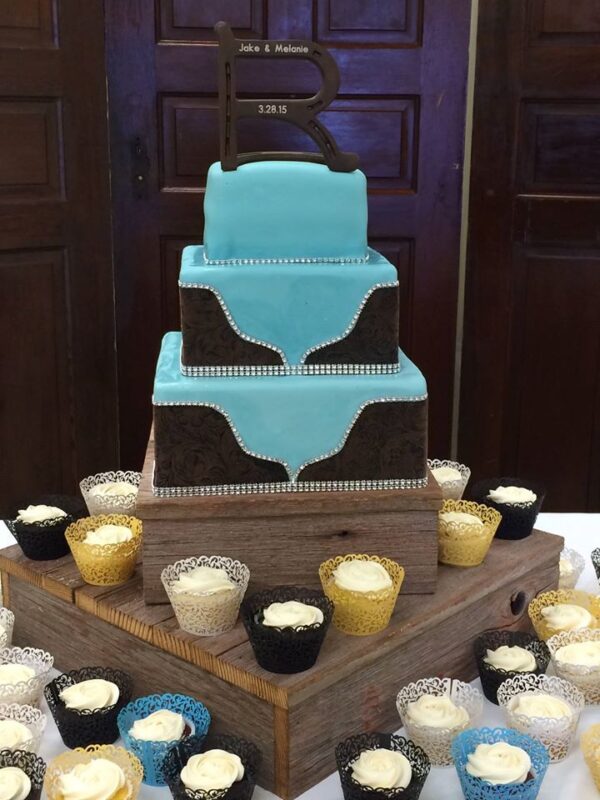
[590, 746]
[7, 624]
[591, 602]
[586, 679]
[33, 766]
[577, 562]
[350, 749]
[83, 728]
[179, 755]
[26, 692]
[461, 545]
[492, 678]
[555, 734]
[33, 719]
[66, 761]
[206, 615]
[152, 754]
[107, 564]
[517, 519]
[46, 541]
[357, 613]
[595, 556]
[451, 490]
[111, 504]
[475, 788]
[436, 742]
[286, 650]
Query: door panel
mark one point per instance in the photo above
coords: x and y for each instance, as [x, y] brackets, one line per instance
[403, 67]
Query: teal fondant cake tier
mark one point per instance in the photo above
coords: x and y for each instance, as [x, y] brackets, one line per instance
[257, 432]
[295, 317]
[274, 210]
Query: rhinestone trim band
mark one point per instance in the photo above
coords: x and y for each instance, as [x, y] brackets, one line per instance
[293, 474]
[286, 368]
[216, 262]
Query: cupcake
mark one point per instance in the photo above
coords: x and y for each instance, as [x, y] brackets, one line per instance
[21, 775]
[21, 727]
[7, 624]
[465, 532]
[206, 593]
[105, 548]
[24, 671]
[590, 746]
[519, 502]
[381, 765]
[40, 527]
[101, 772]
[564, 610]
[571, 565]
[219, 766]
[450, 476]
[286, 627]
[85, 704]
[151, 726]
[111, 492]
[499, 763]
[434, 710]
[544, 707]
[363, 590]
[576, 658]
[596, 562]
[504, 654]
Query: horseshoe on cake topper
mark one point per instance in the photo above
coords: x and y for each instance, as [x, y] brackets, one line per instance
[299, 112]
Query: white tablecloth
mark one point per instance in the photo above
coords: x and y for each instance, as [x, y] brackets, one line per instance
[569, 779]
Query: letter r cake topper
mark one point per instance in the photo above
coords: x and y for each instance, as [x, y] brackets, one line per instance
[299, 112]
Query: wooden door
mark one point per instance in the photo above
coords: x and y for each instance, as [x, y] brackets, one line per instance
[58, 404]
[530, 402]
[403, 67]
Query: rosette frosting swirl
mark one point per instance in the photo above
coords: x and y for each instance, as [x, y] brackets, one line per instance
[98, 779]
[214, 769]
[512, 495]
[581, 654]
[446, 474]
[436, 711]
[113, 489]
[546, 706]
[109, 534]
[356, 575]
[14, 784]
[291, 614]
[160, 726]
[381, 768]
[13, 733]
[499, 763]
[15, 673]
[511, 658]
[567, 617]
[34, 514]
[90, 695]
[203, 580]
[460, 518]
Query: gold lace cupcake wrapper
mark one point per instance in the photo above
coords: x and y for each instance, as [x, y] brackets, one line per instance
[462, 545]
[108, 564]
[65, 762]
[591, 602]
[356, 613]
[586, 679]
[451, 490]
[590, 746]
[207, 615]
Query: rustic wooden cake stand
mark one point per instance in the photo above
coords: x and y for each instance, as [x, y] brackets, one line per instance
[296, 719]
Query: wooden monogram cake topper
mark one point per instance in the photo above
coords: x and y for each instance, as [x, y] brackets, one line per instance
[299, 112]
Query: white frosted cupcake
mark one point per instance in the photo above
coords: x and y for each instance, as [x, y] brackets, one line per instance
[576, 658]
[564, 610]
[451, 476]
[21, 727]
[571, 566]
[111, 492]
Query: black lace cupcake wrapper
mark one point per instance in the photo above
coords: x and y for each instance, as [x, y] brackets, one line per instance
[492, 678]
[33, 766]
[596, 562]
[179, 755]
[46, 541]
[349, 750]
[518, 519]
[285, 650]
[82, 728]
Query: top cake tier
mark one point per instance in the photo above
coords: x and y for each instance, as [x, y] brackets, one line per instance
[277, 210]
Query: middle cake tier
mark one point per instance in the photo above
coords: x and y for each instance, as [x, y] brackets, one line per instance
[220, 435]
[288, 318]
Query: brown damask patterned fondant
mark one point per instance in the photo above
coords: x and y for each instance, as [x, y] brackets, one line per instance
[374, 338]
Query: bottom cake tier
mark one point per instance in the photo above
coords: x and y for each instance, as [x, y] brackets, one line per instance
[223, 435]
